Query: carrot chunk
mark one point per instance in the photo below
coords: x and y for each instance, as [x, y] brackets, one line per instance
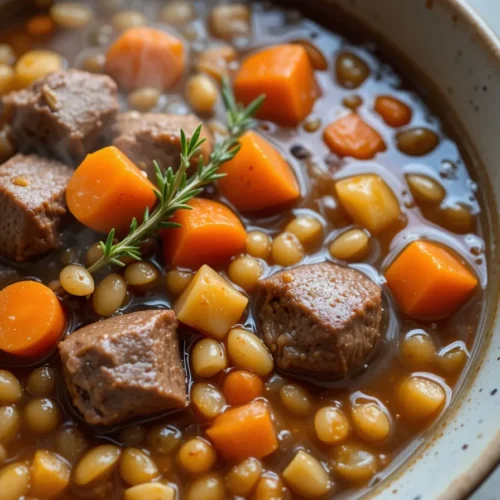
[393, 111]
[242, 387]
[146, 57]
[210, 234]
[258, 177]
[283, 73]
[351, 136]
[107, 191]
[31, 319]
[428, 282]
[243, 432]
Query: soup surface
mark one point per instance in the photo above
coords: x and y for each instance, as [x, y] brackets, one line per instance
[327, 292]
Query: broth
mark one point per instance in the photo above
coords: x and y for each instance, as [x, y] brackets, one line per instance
[318, 170]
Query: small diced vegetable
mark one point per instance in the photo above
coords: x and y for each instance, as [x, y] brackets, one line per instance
[351, 136]
[242, 387]
[243, 477]
[210, 233]
[428, 282]
[150, 491]
[107, 191]
[210, 304]
[283, 73]
[258, 177]
[393, 111]
[49, 475]
[136, 467]
[369, 201]
[306, 476]
[31, 319]
[15, 481]
[7, 79]
[146, 57]
[36, 64]
[229, 21]
[419, 398]
[244, 432]
[96, 464]
[248, 351]
[370, 422]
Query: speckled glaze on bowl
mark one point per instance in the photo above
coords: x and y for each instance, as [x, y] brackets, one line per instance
[458, 57]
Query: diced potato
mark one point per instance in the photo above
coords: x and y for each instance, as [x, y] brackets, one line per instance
[49, 475]
[150, 491]
[210, 304]
[306, 476]
[369, 201]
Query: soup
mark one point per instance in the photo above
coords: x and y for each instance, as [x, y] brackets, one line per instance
[282, 314]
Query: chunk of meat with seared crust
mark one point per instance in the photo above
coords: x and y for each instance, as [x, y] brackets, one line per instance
[65, 114]
[320, 318]
[145, 137]
[124, 367]
[32, 206]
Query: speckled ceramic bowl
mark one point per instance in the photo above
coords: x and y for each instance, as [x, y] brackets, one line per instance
[458, 57]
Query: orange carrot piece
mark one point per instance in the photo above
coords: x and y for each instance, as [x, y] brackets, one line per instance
[241, 387]
[31, 319]
[40, 26]
[243, 432]
[146, 57]
[429, 282]
[351, 136]
[107, 191]
[283, 73]
[258, 177]
[393, 111]
[210, 234]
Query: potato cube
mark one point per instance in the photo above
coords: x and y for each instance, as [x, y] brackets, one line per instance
[49, 475]
[210, 304]
[150, 491]
[306, 476]
[369, 201]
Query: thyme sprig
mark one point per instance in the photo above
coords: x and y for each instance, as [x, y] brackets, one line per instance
[175, 190]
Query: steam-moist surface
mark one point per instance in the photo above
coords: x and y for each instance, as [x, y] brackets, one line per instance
[432, 350]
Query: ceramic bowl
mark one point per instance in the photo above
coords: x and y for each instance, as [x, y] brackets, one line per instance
[457, 57]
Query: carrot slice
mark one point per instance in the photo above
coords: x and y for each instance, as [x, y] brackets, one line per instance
[393, 111]
[31, 319]
[258, 177]
[351, 136]
[283, 73]
[243, 432]
[429, 282]
[107, 191]
[146, 57]
[242, 387]
[210, 234]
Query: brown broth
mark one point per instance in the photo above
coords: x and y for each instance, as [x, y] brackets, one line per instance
[317, 174]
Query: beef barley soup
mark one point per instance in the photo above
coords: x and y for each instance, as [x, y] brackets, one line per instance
[273, 305]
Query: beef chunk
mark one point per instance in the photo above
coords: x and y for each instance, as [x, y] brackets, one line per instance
[32, 204]
[320, 318]
[125, 366]
[64, 114]
[145, 137]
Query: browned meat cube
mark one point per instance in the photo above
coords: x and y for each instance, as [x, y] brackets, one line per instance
[32, 205]
[64, 114]
[320, 318]
[124, 367]
[145, 137]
